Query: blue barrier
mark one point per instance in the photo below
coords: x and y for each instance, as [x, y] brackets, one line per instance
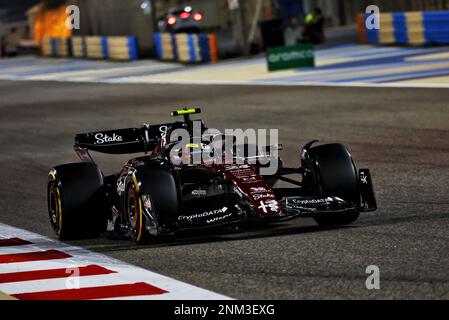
[157, 40]
[105, 47]
[436, 27]
[400, 28]
[204, 43]
[175, 47]
[192, 45]
[133, 48]
[372, 35]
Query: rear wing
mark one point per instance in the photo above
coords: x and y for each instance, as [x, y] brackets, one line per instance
[133, 140]
[126, 141]
[122, 141]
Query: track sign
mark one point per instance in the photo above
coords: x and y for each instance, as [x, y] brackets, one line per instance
[290, 57]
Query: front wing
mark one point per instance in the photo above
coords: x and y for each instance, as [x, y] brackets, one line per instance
[227, 212]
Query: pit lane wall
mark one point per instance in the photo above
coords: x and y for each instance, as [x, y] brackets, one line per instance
[186, 47]
[92, 47]
[407, 28]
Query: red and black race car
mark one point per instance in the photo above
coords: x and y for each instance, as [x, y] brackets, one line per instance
[154, 195]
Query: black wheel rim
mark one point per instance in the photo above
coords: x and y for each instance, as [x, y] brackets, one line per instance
[53, 208]
[132, 207]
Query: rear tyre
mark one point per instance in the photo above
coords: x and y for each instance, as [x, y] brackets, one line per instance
[151, 204]
[335, 175]
[76, 201]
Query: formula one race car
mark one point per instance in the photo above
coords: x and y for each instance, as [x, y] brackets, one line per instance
[154, 195]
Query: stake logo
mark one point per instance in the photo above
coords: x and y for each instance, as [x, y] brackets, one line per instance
[104, 138]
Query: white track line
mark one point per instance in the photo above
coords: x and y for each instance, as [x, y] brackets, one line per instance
[250, 83]
[283, 84]
[244, 83]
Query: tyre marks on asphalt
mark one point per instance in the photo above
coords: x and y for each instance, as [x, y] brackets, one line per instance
[33, 267]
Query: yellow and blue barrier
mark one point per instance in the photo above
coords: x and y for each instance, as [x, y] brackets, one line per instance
[122, 48]
[96, 47]
[186, 47]
[408, 28]
[79, 48]
[165, 45]
[92, 47]
[48, 47]
[53, 47]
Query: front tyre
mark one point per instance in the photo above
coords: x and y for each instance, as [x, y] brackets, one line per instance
[335, 175]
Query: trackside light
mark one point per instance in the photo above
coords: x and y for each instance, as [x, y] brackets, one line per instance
[184, 15]
[198, 16]
[171, 21]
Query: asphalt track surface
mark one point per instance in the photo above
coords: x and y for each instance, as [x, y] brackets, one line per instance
[402, 135]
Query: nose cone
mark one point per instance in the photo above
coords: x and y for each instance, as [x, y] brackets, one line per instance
[254, 187]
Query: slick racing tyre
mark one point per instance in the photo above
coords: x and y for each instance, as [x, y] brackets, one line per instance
[76, 202]
[150, 204]
[335, 175]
